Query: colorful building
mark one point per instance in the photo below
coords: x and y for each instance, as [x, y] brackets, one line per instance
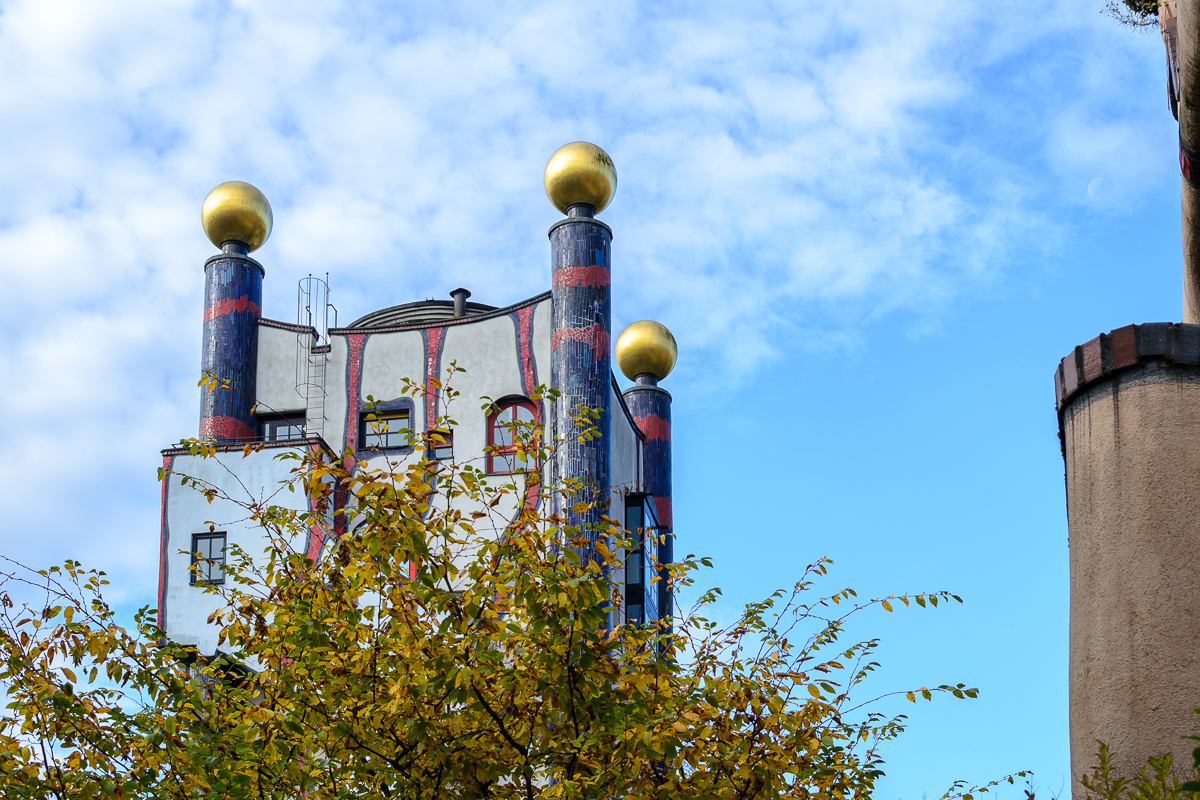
[307, 385]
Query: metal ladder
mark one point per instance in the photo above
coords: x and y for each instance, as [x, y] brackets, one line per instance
[312, 349]
[315, 398]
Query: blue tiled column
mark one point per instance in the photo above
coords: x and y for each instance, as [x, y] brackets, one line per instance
[581, 358]
[651, 410]
[232, 306]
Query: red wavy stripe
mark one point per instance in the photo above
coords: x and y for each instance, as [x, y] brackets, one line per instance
[316, 535]
[230, 305]
[524, 324]
[593, 335]
[582, 276]
[655, 427]
[225, 428]
[432, 367]
[354, 353]
[665, 517]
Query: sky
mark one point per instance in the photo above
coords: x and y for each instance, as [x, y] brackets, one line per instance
[873, 228]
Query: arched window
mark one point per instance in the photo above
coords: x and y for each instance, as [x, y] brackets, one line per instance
[507, 428]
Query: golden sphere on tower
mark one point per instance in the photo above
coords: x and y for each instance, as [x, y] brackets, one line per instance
[646, 347]
[580, 172]
[237, 212]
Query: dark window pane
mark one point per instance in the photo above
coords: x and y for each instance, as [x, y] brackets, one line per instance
[385, 431]
[208, 558]
[633, 515]
[281, 429]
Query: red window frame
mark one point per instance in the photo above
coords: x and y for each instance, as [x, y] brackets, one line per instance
[501, 452]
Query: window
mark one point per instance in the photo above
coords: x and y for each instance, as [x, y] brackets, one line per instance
[384, 430]
[440, 444]
[208, 558]
[508, 435]
[281, 427]
[635, 564]
[642, 594]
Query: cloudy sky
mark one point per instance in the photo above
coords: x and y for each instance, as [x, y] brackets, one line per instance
[873, 227]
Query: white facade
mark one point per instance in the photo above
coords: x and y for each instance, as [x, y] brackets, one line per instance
[505, 353]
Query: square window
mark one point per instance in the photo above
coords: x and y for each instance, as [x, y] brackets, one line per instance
[440, 445]
[384, 430]
[208, 558]
[281, 427]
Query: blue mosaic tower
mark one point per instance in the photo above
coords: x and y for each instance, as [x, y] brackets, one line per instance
[237, 218]
[646, 353]
[580, 180]
[651, 410]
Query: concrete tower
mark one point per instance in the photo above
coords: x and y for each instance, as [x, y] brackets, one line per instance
[1129, 420]
[237, 219]
[646, 353]
[580, 181]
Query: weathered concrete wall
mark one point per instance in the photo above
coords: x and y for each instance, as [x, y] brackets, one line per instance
[1188, 113]
[1130, 425]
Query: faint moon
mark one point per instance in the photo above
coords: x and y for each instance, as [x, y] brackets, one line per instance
[1094, 186]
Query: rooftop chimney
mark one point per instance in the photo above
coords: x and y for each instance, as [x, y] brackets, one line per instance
[460, 296]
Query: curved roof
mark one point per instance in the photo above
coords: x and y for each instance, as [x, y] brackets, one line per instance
[420, 311]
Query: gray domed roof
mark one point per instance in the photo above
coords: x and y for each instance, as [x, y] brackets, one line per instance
[420, 311]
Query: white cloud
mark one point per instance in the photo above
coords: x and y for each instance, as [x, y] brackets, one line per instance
[789, 173]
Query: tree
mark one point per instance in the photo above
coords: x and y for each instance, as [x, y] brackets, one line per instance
[437, 652]
[1135, 13]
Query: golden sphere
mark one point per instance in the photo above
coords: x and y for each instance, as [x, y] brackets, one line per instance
[580, 172]
[646, 346]
[237, 212]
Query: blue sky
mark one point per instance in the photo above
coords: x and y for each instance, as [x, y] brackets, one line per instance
[869, 226]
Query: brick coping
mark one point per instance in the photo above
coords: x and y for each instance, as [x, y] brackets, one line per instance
[1169, 342]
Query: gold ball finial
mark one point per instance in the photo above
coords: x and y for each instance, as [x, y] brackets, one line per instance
[580, 172]
[237, 212]
[646, 347]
